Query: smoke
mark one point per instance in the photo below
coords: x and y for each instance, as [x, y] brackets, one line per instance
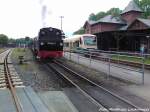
[44, 12]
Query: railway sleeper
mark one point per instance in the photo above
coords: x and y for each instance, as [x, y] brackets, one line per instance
[3, 77]
[15, 77]
[2, 88]
[19, 86]
[16, 80]
[3, 85]
[2, 81]
[17, 83]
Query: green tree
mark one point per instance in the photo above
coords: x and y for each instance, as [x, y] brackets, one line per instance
[11, 40]
[3, 40]
[137, 2]
[92, 17]
[145, 5]
[114, 12]
[80, 31]
[100, 15]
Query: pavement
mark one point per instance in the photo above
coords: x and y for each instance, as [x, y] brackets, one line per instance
[57, 101]
[6, 100]
[27, 98]
[133, 75]
[49, 101]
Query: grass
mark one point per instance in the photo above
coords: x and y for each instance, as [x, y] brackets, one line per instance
[18, 52]
[26, 53]
[131, 59]
[2, 49]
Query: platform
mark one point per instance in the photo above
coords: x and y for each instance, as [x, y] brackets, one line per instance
[5, 101]
[28, 99]
[50, 101]
[57, 101]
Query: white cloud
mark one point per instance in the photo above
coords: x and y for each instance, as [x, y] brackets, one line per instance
[21, 18]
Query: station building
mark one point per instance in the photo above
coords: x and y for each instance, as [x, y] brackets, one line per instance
[128, 32]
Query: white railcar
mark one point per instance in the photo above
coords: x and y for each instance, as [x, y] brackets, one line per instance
[85, 41]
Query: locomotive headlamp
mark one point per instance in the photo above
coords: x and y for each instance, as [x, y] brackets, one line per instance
[57, 33]
[43, 32]
[61, 44]
[51, 29]
[41, 43]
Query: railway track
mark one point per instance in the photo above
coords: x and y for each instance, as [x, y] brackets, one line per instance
[9, 79]
[123, 62]
[128, 63]
[103, 98]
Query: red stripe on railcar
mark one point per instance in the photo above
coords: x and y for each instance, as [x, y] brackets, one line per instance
[50, 54]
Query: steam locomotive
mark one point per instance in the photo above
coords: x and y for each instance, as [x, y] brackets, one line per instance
[48, 43]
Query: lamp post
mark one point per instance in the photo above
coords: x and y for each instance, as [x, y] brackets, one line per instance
[61, 17]
[148, 43]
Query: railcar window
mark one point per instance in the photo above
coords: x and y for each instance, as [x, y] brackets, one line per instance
[88, 40]
[76, 44]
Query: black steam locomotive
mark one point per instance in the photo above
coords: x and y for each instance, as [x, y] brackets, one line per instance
[49, 43]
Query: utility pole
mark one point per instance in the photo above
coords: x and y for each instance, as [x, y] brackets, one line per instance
[61, 17]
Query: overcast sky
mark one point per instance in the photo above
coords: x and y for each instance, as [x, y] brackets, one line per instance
[20, 18]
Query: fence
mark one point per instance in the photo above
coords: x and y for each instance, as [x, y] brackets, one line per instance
[111, 61]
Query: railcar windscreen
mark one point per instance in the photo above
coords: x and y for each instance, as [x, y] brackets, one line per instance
[89, 40]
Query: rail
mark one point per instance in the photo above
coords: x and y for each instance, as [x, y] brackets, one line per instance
[78, 87]
[75, 74]
[10, 85]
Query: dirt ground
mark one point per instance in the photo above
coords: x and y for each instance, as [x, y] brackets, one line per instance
[34, 73]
